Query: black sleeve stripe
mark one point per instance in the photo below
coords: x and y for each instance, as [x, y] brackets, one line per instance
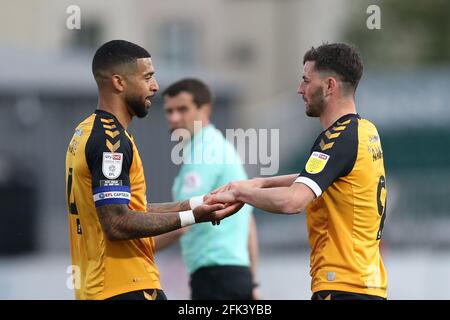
[109, 126]
[110, 140]
[339, 128]
[107, 121]
[112, 147]
[343, 123]
[352, 143]
[326, 142]
[112, 134]
[325, 146]
[330, 135]
[332, 156]
[112, 131]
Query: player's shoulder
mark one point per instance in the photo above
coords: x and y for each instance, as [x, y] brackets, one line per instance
[84, 128]
[106, 129]
[105, 123]
[107, 136]
[368, 127]
[87, 121]
[342, 134]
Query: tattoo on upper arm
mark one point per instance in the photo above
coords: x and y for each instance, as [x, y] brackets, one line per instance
[119, 223]
[169, 206]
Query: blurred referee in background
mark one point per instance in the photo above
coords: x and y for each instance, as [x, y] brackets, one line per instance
[221, 260]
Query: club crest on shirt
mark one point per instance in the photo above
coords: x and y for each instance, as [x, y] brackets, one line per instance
[112, 164]
[316, 162]
[192, 182]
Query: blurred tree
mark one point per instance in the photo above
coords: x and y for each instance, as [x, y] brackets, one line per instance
[412, 32]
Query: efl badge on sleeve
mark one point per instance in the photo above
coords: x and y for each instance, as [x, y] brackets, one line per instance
[112, 164]
[316, 162]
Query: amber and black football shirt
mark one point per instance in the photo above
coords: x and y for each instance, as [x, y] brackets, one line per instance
[345, 222]
[103, 167]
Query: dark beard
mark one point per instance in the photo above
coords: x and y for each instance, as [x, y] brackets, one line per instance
[137, 105]
[316, 104]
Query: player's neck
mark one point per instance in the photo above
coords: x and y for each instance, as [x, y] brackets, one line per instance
[117, 108]
[336, 110]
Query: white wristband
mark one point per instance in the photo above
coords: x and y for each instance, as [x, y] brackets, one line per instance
[194, 202]
[186, 218]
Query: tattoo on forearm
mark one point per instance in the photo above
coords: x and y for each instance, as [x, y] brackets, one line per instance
[121, 224]
[169, 206]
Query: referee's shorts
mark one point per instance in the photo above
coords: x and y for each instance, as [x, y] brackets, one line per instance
[222, 283]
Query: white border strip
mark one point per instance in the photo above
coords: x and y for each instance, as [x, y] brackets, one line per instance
[310, 183]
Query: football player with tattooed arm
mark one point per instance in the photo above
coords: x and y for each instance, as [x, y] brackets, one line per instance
[342, 186]
[110, 223]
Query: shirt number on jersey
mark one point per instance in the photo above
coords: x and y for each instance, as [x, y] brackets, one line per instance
[381, 202]
[72, 205]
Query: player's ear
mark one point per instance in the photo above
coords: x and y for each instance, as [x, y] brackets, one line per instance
[331, 85]
[118, 82]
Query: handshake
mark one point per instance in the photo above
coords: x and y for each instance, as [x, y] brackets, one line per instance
[218, 204]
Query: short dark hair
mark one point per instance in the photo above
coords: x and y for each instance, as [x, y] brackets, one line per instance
[114, 54]
[200, 91]
[340, 58]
